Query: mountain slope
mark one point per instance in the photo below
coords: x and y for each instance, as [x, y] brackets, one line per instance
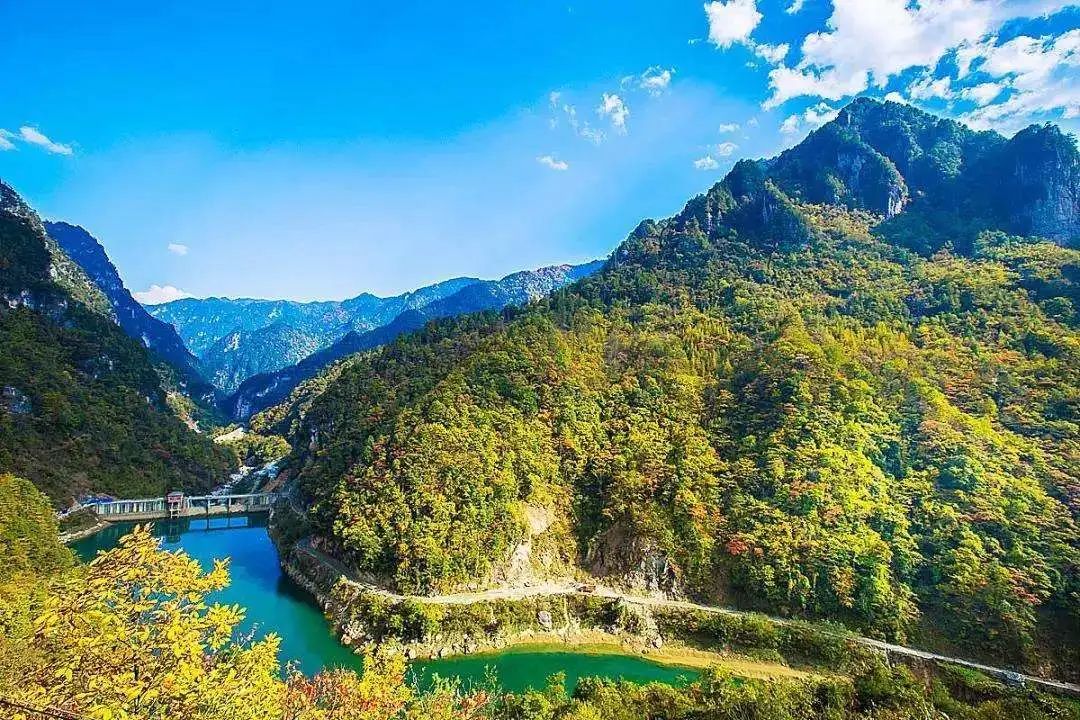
[786, 397]
[85, 250]
[262, 391]
[243, 354]
[82, 407]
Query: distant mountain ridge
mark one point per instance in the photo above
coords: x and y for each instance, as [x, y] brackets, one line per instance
[259, 349]
[262, 391]
[236, 339]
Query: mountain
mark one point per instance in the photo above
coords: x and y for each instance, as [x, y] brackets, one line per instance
[161, 338]
[236, 339]
[262, 391]
[842, 383]
[244, 353]
[82, 405]
[951, 181]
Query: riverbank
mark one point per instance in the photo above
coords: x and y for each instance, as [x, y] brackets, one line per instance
[83, 527]
[677, 656]
[426, 628]
[441, 626]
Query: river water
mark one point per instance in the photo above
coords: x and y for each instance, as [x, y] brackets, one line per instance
[276, 604]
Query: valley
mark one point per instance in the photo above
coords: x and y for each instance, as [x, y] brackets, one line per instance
[810, 443]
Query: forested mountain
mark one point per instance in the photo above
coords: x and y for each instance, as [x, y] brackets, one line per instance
[262, 391]
[85, 250]
[842, 383]
[82, 406]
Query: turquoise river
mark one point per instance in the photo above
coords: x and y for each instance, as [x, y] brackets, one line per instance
[276, 604]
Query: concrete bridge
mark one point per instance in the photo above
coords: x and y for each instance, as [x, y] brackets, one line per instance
[177, 505]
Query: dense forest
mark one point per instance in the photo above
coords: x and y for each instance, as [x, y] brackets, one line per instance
[84, 407]
[843, 383]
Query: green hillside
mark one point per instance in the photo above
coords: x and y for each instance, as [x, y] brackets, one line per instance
[843, 383]
[82, 406]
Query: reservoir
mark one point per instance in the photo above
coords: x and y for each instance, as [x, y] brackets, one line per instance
[276, 604]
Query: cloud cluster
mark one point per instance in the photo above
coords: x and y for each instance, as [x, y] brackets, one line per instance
[734, 21]
[731, 22]
[721, 150]
[1034, 76]
[654, 80]
[178, 249]
[614, 108]
[867, 43]
[706, 163]
[566, 111]
[813, 117]
[552, 162]
[158, 294]
[32, 136]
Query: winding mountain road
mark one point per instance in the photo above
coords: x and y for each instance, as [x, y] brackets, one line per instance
[575, 588]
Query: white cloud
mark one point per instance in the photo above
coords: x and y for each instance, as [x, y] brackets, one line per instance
[613, 107]
[983, 93]
[655, 80]
[897, 98]
[35, 137]
[725, 149]
[178, 248]
[158, 294]
[795, 7]
[593, 135]
[728, 128]
[787, 83]
[706, 163]
[731, 22]
[813, 117]
[569, 112]
[553, 163]
[867, 42]
[926, 88]
[772, 54]
[1040, 74]
[820, 114]
[5, 140]
[790, 126]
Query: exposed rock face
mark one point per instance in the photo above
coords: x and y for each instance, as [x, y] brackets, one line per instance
[1040, 179]
[633, 562]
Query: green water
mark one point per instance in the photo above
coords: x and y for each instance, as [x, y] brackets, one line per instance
[521, 668]
[276, 604]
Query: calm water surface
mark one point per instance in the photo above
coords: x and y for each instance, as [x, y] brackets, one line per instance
[276, 604]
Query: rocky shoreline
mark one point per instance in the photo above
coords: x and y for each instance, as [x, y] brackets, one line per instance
[76, 535]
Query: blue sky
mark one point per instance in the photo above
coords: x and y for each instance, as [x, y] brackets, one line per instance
[323, 149]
